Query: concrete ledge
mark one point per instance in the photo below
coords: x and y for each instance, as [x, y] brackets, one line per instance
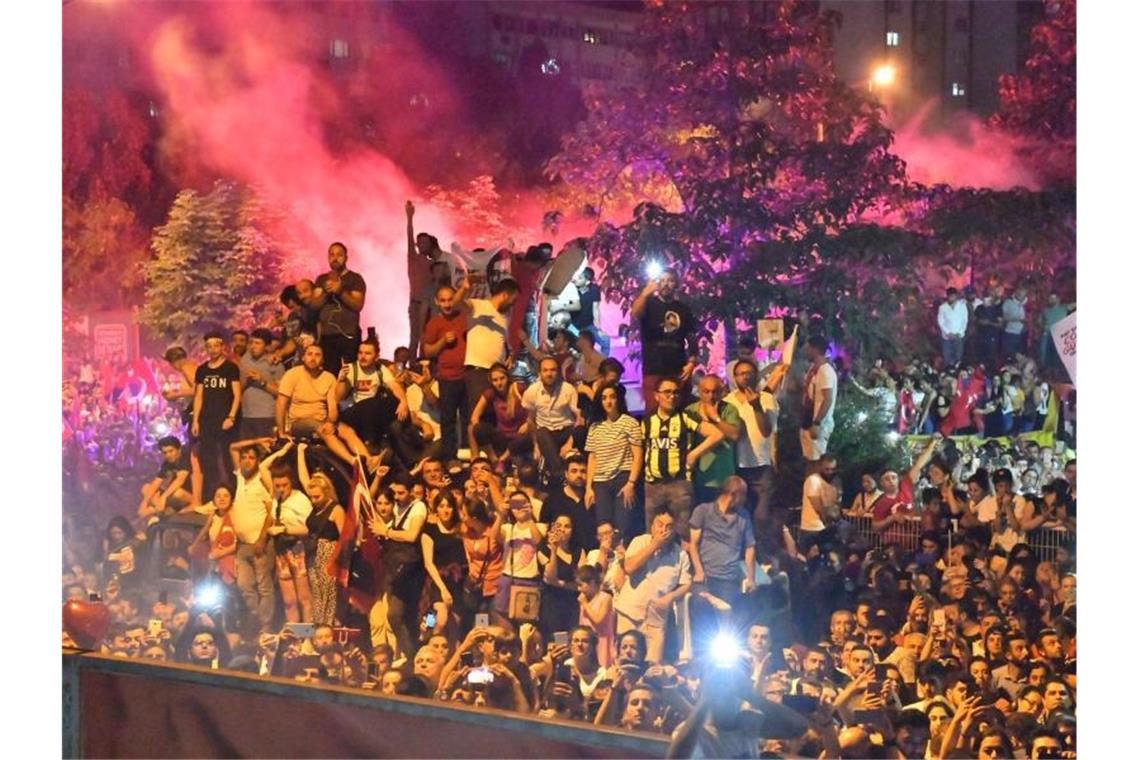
[119, 707]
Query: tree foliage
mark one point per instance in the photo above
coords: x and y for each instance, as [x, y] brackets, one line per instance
[757, 163]
[217, 263]
[1040, 104]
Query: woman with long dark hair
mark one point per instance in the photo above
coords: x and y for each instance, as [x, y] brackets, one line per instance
[614, 445]
[445, 560]
[498, 423]
[120, 552]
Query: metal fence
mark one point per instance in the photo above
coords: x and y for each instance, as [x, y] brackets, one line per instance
[1044, 541]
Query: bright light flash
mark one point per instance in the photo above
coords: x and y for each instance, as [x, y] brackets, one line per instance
[161, 428]
[884, 75]
[892, 437]
[726, 650]
[654, 269]
[861, 417]
[208, 595]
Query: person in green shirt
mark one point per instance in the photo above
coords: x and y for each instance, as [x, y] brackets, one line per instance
[719, 462]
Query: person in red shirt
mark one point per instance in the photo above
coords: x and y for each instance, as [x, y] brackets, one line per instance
[445, 341]
[892, 510]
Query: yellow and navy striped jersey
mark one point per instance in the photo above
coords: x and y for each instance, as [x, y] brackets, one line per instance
[667, 445]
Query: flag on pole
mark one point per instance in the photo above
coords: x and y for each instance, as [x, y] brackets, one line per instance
[779, 372]
[357, 513]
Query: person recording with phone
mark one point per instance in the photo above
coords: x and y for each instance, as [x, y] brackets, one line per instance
[668, 337]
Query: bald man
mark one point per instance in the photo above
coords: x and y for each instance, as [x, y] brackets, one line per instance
[719, 462]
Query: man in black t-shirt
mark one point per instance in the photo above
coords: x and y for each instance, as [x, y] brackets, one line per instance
[340, 314]
[217, 399]
[168, 489]
[570, 501]
[590, 297]
[667, 332]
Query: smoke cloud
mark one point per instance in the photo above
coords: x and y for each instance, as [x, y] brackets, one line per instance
[963, 153]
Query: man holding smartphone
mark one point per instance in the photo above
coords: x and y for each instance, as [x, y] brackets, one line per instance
[667, 338]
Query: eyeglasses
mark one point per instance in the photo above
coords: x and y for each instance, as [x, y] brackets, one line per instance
[672, 392]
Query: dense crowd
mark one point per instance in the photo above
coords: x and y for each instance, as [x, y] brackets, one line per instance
[482, 520]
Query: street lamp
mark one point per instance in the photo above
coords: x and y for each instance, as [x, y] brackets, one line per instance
[883, 76]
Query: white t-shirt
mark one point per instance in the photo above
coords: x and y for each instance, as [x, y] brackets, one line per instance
[753, 449]
[520, 552]
[486, 335]
[828, 495]
[825, 379]
[553, 410]
[471, 265]
[429, 414]
[366, 385]
[295, 510]
[248, 512]
[661, 574]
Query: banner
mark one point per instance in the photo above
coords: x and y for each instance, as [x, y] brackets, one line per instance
[1065, 339]
[769, 333]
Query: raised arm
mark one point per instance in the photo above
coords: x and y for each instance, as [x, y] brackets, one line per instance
[639, 303]
[915, 472]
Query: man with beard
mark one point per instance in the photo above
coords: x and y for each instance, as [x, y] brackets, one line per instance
[378, 400]
[445, 341]
[570, 501]
[340, 314]
[552, 406]
[667, 330]
[217, 400]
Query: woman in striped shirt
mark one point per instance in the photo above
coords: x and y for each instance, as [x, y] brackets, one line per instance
[615, 448]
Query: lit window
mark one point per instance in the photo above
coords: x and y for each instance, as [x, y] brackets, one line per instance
[589, 38]
[338, 49]
[892, 39]
[550, 67]
[957, 90]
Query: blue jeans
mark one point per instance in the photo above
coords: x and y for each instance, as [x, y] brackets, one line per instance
[609, 506]
[951, 351]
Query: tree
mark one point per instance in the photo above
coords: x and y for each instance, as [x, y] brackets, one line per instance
[104, 246]
[1040, 104]
[757, 162]
[217, 262]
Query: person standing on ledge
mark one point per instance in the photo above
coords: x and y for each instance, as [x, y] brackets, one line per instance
[667, 332]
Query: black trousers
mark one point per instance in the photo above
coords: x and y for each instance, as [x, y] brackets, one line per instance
[453, 405]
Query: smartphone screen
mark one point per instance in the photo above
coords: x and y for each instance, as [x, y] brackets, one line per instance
[562, 638]
[482, 620]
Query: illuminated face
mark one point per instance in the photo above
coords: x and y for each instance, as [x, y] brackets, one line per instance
[445, 512]
[313, 357]
[814, 663]
[214, 347]
[401, 492]
[876, 639]
[366, 356]
[155, 653]
[868, 484]
[389, 681]
[667, 397]
[428, 664]
[548, 372]
[223, 499]
[563, 528]
[433, 473]
[203, 648]
[248, 461]
[171, 453]
[663, 526]
[384, 507]
[338, 257]
[710, 390]
[580, 644]
[842, 624]
[610, 402]
[1029, 702]
[640, 710]
[890, 482]
[629, 649]
[445, 300]
[576, 475]
[499, 382]
[759, 640]
[439, 644]
[239, 343]
[1045, 746]
[257, 347]
[745, 376]
[858, 661]
[667, 285]
[282, 487]
[1037, 676]
[980, 672]
[323, 640]
[1051, 646]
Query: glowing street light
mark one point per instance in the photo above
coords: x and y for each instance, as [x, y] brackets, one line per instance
[883, 76]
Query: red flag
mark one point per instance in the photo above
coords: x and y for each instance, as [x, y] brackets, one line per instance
[359, 503]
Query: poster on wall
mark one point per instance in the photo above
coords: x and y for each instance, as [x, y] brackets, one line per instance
[769, 333]
[1065, 339]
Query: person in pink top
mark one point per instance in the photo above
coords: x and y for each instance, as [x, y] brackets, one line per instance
[596, 612]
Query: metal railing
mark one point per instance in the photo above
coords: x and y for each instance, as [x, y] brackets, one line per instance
[1044, 541]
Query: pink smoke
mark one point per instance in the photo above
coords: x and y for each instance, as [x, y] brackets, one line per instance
[963, 153]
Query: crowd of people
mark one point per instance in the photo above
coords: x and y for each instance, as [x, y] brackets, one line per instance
[480, 519]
